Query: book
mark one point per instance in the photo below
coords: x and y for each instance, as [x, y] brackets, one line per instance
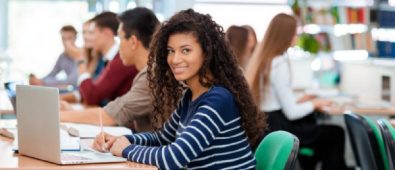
[90, 131]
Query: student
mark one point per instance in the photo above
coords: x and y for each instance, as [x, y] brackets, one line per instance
[251, 41]
[134, 108]
[94, 62]
[269, 76]
[216, 121]
[66, 62]
[116, 79]
[238, 38]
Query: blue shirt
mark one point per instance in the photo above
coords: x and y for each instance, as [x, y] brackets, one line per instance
[202, 134]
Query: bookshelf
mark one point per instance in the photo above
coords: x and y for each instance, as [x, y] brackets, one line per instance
[336, 25]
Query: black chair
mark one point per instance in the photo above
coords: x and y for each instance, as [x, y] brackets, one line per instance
[363, 142]
[388, 133]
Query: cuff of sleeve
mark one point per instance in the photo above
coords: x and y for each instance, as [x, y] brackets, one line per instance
[77, 96]
[125, 152]
[83, 77]
[130, 138]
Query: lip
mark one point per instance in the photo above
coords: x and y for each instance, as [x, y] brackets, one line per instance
[179, 70]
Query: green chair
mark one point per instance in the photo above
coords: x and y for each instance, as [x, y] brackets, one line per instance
[364, 142]
[380, 142]
[388, 133]
[278, 150]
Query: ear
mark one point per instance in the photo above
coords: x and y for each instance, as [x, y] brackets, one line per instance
[133, 42]
[108, 31]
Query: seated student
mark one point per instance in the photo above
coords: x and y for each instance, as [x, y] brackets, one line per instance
[116, 79]
[251, 41]
[216, 121]
[94, 61]
[238, 38]
[66, 62]
[269, 75]
[134, 108]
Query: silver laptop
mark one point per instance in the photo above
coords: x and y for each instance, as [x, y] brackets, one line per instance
[38, 128]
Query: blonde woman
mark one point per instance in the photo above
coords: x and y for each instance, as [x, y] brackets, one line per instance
[268, 74]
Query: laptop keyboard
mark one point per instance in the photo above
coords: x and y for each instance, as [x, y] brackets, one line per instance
[70, 157]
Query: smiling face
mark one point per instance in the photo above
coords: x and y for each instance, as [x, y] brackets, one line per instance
[185, 57]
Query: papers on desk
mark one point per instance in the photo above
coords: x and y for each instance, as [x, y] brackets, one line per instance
[67, 142]
[8, 128]
[90, 131]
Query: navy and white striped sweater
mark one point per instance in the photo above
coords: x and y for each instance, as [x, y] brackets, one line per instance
[202, 134]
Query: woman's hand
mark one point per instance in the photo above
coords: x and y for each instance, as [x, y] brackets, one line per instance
[321, 103]
[306, 98]
[119, 145]
[103, 142]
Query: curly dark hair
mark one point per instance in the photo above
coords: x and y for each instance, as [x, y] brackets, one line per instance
[219, 61]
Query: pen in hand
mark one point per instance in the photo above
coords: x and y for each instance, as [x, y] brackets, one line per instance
[103, 147]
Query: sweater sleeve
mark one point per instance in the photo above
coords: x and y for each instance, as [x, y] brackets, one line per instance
[162, 137]
[50, 79]
[281, 82]
[198, 135]
[109, 81]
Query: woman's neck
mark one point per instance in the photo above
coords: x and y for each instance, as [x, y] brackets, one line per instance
[197, 89]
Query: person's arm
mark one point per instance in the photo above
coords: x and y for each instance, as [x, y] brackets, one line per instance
[306, 97]
[135, 104]
[281, 82]
[163, 137]
[111, 79]
[50, 79]
[198, 135]
[88, 116]
[69, 97]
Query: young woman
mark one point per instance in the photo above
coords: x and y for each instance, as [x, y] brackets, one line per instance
[238, 39]
[215, 122]
[269, 76]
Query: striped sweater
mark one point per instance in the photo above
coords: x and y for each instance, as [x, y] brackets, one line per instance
[202, 134]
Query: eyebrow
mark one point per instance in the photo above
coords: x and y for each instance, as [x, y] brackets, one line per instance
[182, 46]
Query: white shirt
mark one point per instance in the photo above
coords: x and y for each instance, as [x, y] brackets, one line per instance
[280, 95]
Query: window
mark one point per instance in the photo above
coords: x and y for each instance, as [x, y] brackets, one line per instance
[256, 13]
[34, 38]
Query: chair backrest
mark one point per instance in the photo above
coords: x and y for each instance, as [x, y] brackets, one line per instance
[380, 141]
[388, 133]
[363, 142]
[278, 150]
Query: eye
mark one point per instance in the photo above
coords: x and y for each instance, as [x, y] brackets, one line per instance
[186, 51]
[170, 51]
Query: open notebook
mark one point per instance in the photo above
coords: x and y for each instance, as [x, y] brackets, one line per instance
[90, 131]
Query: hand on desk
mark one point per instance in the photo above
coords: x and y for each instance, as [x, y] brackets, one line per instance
[65, 105]
[33, 80]
[112, 143]
[320, 103]
[307, 97]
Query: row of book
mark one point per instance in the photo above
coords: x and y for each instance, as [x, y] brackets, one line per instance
[335, 15]
[386, 19]
[386, 49]
[329, 42]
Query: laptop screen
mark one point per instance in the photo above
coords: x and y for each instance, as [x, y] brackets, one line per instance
[10, 88]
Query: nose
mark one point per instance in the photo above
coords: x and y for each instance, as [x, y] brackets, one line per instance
[176, 58]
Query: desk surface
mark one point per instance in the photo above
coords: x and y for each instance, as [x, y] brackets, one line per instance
[8, 159]
[364, 111]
